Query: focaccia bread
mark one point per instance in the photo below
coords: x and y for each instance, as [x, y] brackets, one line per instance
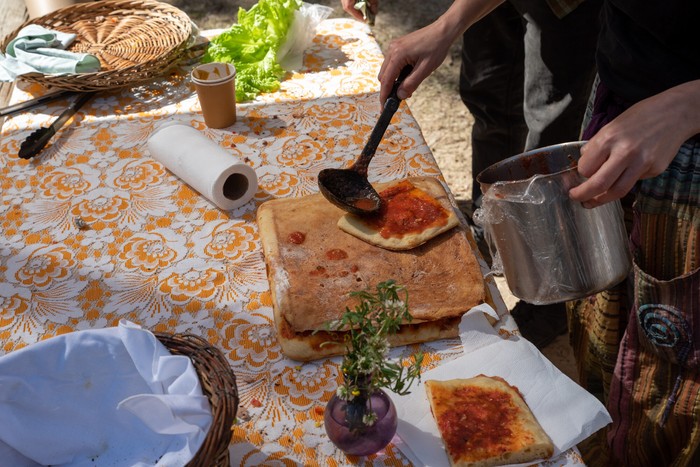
[412, 213]
[484, 421]
[313, 266]
[310, 345]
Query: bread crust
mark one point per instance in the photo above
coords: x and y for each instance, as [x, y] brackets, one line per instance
[312, 345]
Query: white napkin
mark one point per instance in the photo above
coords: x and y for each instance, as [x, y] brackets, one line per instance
[566, 411]
[108, 397]
[37, 49]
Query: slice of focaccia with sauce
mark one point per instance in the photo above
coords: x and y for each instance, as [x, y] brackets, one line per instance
[484, 421]
[411, 214]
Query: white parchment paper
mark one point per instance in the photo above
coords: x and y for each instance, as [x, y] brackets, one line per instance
[567, 412]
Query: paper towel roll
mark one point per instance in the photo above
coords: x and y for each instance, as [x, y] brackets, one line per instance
[204, 165]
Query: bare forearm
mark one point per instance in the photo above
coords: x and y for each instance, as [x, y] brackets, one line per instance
[685, 98]
[426, 48]
[462, 14]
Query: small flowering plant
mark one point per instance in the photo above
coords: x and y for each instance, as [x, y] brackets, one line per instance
[365, 365]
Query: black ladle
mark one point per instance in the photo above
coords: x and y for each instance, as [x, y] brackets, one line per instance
[349, 188]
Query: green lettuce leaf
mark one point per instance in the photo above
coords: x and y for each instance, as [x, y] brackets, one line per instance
[251, 45]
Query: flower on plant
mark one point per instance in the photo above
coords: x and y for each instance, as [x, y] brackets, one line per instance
[366, 367]
[342, 392]
[369, 418]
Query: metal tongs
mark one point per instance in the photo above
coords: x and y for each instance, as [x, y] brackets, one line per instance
[36, 141]
[31, 103]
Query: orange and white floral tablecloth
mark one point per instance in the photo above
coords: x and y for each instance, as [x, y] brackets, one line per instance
[155, 252]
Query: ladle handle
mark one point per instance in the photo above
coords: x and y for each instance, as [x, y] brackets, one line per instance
[390, 107]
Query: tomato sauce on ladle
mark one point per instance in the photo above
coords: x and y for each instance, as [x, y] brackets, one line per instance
[349, 188]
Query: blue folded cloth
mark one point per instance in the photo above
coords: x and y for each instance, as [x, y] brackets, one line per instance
[37, 49]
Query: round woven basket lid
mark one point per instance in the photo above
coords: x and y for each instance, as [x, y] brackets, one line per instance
[135, 41]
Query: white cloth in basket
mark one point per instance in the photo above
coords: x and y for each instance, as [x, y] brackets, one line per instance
[105, 397]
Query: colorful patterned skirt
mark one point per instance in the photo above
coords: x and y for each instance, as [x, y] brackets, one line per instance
[638, 345]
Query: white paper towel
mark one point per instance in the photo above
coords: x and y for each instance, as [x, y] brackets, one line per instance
[204, 165]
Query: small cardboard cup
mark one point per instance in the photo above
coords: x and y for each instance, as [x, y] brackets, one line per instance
[216, 88]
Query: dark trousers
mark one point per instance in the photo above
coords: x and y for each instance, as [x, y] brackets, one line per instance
[526, 78]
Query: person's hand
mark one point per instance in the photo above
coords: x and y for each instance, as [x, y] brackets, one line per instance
[424, 49]
[638, 144]
[349, 7]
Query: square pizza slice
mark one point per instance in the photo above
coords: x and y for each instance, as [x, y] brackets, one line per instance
[484, 421]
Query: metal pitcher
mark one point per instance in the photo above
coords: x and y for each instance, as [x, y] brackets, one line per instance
[551, 249]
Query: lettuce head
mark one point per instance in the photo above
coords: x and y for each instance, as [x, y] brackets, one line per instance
[251, 45]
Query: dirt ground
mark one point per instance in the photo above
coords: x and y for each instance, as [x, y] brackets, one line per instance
[444, 120]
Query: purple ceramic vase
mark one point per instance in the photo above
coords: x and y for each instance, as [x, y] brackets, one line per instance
[343, 426]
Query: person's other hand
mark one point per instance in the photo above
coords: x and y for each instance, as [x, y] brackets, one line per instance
[424, 49]
[638, 144]
[349, 7]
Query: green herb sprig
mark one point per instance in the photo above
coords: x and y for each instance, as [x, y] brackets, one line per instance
[365, 365]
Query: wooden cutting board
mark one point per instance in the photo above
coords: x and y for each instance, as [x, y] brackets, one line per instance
[311, 279]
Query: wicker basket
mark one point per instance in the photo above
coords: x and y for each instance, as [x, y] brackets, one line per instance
[135, 41]
[219, 385]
